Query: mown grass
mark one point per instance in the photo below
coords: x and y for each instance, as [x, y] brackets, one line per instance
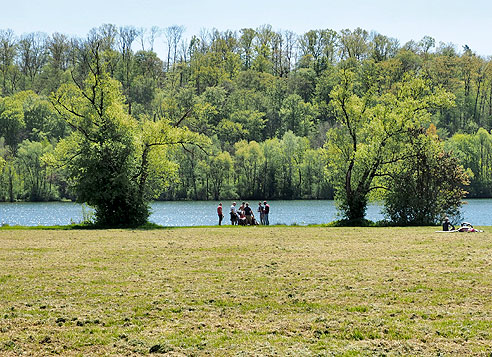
[299, 291]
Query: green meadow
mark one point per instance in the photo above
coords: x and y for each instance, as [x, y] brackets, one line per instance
[245, 291]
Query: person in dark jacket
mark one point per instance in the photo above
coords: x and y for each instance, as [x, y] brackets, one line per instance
[248, 212]
[446, 225]
[266, 211]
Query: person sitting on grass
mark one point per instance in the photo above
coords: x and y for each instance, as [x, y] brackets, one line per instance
[242, 218]
[446, 225]
[254, 222]
[466, 227]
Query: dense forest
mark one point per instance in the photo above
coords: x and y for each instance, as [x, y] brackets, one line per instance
[264, 100]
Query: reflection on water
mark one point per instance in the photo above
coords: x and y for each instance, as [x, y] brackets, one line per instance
[197, 213]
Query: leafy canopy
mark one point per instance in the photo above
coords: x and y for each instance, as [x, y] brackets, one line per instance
[373, 131]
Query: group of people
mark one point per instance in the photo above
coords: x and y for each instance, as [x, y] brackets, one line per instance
[244, 216]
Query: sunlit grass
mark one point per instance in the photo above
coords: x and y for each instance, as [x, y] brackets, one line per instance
[297, 291]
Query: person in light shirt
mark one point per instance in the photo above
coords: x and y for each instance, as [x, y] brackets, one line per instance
[234, 219]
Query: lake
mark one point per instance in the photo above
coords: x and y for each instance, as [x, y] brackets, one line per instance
[198, 213]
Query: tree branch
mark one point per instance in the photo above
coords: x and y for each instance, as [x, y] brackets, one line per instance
[377, 188]
[182, 118]
[72, 125]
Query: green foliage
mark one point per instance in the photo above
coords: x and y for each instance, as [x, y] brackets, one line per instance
[38, 177]
[220, 169]
[474, 152]
[41, 120]
[115, 162]
[297, 116]
[426, 187]
[12, 122]
[100, 153]
[11, 183]
[265, 98]
[252, 121]
[249, 157]
[374, 131]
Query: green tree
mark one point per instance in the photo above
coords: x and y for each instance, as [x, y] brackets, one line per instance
[474, 152]
[427, 186]
[38, 177]
[354, 44]
[116, 163]
[382, 47]
[314, 184]
[12, 124]
[11, 183]
[41, 120]
[32, 56]
[100, 152]
[246, 45]
[248, 161]
[252, 121]
[291, 174]
[318, 49]
[272, 151]
[297, 116]
[303, 83]
[372, 134]
[54, 73]
[220, 171]
[8, 51]
[230, 132]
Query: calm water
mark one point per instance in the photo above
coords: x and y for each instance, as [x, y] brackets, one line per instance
[476, 211]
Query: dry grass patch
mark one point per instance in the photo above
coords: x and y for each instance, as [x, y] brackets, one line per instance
[246, 291]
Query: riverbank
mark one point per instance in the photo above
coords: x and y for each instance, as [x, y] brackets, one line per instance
[249, 290]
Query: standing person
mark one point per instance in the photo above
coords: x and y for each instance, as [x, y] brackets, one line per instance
[234, 218]
[266, 211]
[261, 210]
[248, 212]
[219, 213]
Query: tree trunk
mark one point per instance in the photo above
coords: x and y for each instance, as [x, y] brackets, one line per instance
[357, 205]
[11, 186]
[479, 83]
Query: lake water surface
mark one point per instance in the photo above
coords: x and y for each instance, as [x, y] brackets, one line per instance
[198, 213]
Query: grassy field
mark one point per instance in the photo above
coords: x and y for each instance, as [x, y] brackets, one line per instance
[298, 291]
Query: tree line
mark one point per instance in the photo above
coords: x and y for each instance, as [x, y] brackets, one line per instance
[250, 113]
